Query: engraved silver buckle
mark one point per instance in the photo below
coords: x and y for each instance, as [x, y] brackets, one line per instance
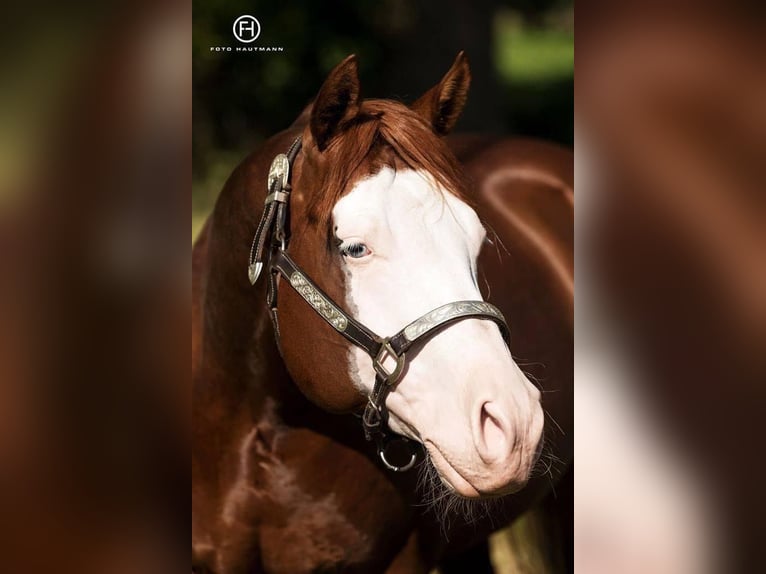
[279, 171]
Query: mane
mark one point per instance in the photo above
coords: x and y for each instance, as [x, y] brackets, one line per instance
[384, 132]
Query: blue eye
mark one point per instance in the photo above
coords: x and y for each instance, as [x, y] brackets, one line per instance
[355, 250]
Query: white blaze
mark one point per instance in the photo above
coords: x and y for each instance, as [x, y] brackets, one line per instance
[461, 395]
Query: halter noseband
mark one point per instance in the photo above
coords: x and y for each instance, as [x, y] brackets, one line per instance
[382, 350]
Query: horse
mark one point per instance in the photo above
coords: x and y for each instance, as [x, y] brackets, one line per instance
[355, 294]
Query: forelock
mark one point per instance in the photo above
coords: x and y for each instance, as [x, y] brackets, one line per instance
[383, 133]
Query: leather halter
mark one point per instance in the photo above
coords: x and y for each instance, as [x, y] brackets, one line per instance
[387, 353]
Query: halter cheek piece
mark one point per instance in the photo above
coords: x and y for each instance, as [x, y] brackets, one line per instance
[387, 353]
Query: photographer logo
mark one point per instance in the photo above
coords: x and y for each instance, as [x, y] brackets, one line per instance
[246, 29]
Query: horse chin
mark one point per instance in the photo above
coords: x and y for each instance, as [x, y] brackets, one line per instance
[456, 484]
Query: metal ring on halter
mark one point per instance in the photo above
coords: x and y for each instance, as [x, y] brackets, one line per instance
[388, 465]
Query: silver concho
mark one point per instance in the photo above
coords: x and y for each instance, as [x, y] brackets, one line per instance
[279, 171]
[449, 311]
[322, 305]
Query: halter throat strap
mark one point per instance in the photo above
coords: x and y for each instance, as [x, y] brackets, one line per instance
[388, 354]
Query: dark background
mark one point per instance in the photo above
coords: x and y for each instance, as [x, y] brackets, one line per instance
[521, 54]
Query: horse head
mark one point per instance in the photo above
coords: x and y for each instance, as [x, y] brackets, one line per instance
[380, 220]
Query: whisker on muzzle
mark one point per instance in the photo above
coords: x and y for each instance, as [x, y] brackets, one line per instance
[446, 504]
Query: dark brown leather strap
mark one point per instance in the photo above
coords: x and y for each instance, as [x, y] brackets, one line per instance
[262, 235]
[422, 328]
[324, 306]
[272, 226]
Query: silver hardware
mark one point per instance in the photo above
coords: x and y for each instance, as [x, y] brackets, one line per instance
[318, 302]
[389, 466]
[254, 271]
[279, 172]
[282, 238]
[387, 351]
[278, 196]
[447, 312]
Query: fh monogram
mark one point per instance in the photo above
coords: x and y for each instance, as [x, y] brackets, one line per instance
[246, 29]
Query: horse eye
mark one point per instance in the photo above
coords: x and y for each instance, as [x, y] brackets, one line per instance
[355, 250]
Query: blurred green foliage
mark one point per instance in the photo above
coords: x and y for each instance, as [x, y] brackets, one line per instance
[526, 54]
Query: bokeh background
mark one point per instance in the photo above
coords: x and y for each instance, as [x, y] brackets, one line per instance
[521, 54]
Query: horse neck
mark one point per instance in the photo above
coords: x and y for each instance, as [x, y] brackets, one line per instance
[238, 364]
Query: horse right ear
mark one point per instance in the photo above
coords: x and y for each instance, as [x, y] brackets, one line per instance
[338, 100]
[441, 105]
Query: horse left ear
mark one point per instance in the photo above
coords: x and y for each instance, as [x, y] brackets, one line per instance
[441, 105]
[338, 100]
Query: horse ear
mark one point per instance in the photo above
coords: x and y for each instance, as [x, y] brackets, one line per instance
[441, 105]
[338, 100]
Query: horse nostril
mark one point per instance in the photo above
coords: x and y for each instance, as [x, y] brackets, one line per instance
[493, 443]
